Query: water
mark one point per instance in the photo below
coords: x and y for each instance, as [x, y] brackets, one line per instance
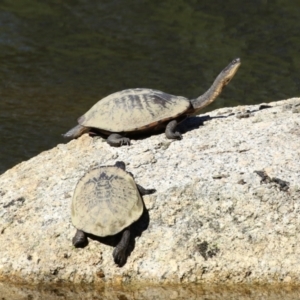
[60, 57]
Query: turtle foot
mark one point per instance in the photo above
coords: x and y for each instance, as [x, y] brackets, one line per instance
[120, 256]
[174, 135]
[144, 191]
[150, 191]
[170, 131]
[120, 252]
[177, 135]
[80, 239]
[117, 140]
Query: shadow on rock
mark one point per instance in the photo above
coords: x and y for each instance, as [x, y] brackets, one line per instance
[136, 230]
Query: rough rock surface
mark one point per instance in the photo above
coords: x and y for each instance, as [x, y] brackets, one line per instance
[154, 292]
[212, 219]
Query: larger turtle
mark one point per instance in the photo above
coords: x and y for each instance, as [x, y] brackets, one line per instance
[135, 111]
[107, 201]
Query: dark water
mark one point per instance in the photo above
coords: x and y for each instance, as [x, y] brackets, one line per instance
[60, 57]
[192, 292]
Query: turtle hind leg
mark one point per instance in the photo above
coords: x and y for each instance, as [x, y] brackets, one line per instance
[170, 131]
[76, 132]
[80, 239]
[117, 140]
[120, 252]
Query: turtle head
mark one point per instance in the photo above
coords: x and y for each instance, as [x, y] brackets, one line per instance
[121, 165]
[228, 73]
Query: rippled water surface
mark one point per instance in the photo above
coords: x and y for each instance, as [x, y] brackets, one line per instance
[60, 57]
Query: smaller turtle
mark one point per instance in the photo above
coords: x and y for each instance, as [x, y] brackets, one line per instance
[105, 202]
[134, 112]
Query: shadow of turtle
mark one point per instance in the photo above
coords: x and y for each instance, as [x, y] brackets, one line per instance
[192, 123]
[136, 230]
[187, 124]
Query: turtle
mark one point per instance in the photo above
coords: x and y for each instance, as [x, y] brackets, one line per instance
[106, 201]
[137, 111]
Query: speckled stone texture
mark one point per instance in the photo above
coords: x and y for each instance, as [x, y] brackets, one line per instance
[213, 218]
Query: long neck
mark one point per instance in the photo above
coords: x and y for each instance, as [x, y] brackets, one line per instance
[210, 95]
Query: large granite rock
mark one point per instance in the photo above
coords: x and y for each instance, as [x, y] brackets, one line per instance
[212, 219]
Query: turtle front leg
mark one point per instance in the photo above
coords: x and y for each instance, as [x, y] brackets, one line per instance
[120, 252]
[144, 191]
[170, 131]
[117, 140]
[80, 239]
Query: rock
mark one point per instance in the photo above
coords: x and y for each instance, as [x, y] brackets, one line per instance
[213, 218]
[145, 292]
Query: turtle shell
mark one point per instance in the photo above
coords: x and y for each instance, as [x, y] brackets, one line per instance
[105, 201]
[134, 109]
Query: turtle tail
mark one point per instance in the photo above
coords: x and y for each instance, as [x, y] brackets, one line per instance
[76, 132]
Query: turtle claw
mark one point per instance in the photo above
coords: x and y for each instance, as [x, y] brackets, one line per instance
[117, 140]
[178, 135]
[175, 136]
[119, 257]
[124, 141]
